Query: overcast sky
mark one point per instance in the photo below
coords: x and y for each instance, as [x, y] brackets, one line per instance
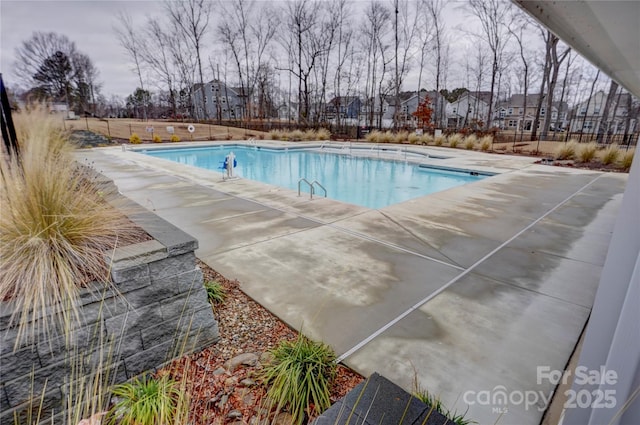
[89, 23]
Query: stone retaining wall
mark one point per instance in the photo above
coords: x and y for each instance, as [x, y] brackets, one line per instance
[158, 311]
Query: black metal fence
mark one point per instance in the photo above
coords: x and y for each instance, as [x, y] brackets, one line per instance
[628, 140]
[9, 138]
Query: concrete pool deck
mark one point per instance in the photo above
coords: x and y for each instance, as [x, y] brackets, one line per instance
[469, 290]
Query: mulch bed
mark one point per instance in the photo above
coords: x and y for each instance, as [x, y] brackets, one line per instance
[220, 396]
[594, 166]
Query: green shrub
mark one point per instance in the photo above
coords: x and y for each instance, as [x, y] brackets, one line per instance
[485, 143]
[627, 159]
[300, 376]
[566, 150]
[323, 134]
[157, 139]
[454, 140]
[215, 291]
[174, 138]
[401, 137]
[147, 401]
[610, 154]
[587, 152]
[135, 139]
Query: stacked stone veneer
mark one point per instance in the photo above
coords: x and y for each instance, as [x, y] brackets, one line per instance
[158, 310]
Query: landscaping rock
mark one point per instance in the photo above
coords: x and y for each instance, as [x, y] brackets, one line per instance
[244, 359]
[247, 382]
[219, 371]
[283, 418]
[234, 414]
[266, 358]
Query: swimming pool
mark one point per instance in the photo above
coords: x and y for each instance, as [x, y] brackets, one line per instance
[369, 182]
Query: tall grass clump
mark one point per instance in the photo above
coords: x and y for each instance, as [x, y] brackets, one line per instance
[627, 159]
[174, 138]
[610, 154]
[426, 139]
[566, 150]
[373, 136]
[387, 137]
[470, 141]
[275, 134]
[157, 139]
[296, 135]
[413, 138]
[436, 404]
[485, 143]
[300, 376]
[147, 401]
[55, 228]
[455, 140]
[587, 152]
[402, 136]
[439, 140]
[323, 134]
[215, 292]
[309, 135]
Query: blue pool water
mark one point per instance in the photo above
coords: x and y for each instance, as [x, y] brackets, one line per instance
[368, 182]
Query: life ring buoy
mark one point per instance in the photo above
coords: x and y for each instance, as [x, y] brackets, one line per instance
[191, 128]
[226, 162]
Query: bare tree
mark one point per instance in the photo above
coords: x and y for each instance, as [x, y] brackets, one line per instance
[495, 20]
[546, 72]
[604, 125]
[345, 51]
[157, 53]
[192, 18]
[518, 35]
[247, 29]
[563, 93]
[186, 69]
[435, 8]
[375, 30]
[52, 68]
[589, 99]
[32, 53]
[132, 43]
[405, 28]
[305, 47]
[551, 42]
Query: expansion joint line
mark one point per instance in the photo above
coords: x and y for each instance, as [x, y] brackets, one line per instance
[434, 294]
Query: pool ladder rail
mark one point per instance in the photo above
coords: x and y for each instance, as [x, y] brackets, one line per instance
[312, 187]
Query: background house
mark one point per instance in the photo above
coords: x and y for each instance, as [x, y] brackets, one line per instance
[343, 107]
[470, 109]
[510, 114]
[221, 101]
[587, 116]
